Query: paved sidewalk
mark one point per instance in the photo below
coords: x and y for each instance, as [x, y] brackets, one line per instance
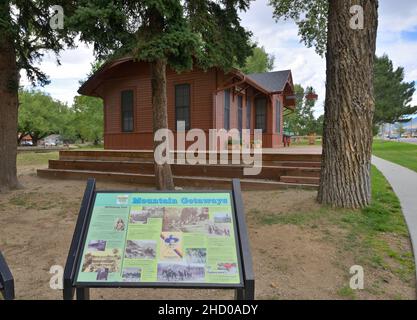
[404, 183]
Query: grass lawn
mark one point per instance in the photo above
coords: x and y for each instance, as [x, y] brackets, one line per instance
[404, 154]
[374, 236]
[36, 158]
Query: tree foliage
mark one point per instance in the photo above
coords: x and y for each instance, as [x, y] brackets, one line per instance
[310, 17]
[302, 122]
[205, 32]
[260, 61]
[88, 118]
[28, 25]
[40, 115]
[392, 94]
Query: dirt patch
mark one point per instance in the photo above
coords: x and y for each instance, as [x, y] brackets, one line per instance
[292, 260]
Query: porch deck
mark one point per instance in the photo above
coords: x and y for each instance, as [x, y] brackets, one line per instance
[280, 169]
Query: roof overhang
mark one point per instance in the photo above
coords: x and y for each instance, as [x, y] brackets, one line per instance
[89, 87]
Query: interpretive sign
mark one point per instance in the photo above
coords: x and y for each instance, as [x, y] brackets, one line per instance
[161, 237]
[157, 239]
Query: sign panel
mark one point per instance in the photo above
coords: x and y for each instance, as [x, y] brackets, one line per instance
[178, 238]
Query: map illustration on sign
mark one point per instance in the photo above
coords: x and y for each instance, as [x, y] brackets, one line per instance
[161, 238]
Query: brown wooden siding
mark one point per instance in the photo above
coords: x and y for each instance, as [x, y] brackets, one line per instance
[206, 105]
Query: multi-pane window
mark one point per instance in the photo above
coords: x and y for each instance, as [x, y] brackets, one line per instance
[240, 113]
[260, 114]
[182, 105]
[127, 110]
[248, 114]
[278, 116]
[227, 109]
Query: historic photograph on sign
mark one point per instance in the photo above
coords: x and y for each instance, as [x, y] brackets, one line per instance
[97, 245]
[131, 274]
[222, 217]
[140, 249]
[94, 261]
[219, 229]
[119, 225]
[180, 272]
[142, 215]
[102, 274]
[186, 220]
[196, 255]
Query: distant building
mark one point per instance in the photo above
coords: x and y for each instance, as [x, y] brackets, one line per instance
[51, 140]
[390, 130]
[25, 140]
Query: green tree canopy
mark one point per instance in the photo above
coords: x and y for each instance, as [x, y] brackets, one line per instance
[392, 94]
[302, 122]
[181, 32]
[88, 118]
[260, 61]
[310, 17]
[40, 115]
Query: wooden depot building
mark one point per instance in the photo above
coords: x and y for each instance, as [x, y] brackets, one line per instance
[204, 100]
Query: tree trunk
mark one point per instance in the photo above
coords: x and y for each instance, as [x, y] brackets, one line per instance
[35, 140]
[163, 174]
[349, 107]
[9, 86]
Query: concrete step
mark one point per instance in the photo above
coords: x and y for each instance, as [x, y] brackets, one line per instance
[180, 181]
[301, 180]
[220, 171]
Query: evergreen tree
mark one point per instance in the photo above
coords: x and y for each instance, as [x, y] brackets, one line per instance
[176, 33]
[392, 94]
[260, 61]
[25, 35]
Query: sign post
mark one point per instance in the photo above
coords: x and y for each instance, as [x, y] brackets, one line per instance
[6, 280]
[172, 239]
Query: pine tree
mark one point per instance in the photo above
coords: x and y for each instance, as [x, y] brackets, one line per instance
[178, 34]
[25, 34]
[392, 94]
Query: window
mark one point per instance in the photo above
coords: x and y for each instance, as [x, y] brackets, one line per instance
[278, 116]
[127, 111]
[260, 114]
[227, 109]
[182, 105]
[248, 113]
[240, 113]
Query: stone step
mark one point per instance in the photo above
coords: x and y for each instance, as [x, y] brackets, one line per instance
[180, 181]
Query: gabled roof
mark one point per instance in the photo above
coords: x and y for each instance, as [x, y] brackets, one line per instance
[268, 82]
[272, 81]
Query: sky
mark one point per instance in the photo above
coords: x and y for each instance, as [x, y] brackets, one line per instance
[397, 37]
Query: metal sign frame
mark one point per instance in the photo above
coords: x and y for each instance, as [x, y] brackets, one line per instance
[243, 290]
[6, 280]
